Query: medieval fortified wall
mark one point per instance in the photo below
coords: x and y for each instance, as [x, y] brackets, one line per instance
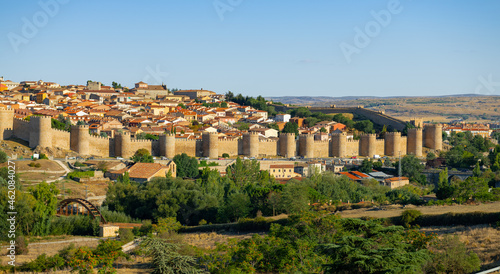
[38, 132]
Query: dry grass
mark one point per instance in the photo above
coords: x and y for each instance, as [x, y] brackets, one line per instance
[482, 239]
[207, 240]
[77, 190]
[396, 210]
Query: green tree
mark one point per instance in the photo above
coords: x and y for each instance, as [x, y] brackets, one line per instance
[244, 171]
[377, 250]
[166, 258]
[366, 166]
[412, 168]
[243, 126]
[431, 156]
[477, 170]
[116, 85]
[409, 216]
[291, 127]
[3, 157]
[444, 189]
[45, 207]
[451, 256]
[237, 206]
[273, 126]
[187, 167]
[294, 198]
[322, 129]
[364, 126]
[142, 155]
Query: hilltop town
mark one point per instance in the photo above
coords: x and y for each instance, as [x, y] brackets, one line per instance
[185, 158]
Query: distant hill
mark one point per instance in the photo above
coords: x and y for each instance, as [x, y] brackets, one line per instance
[468, 107]
[310, 100]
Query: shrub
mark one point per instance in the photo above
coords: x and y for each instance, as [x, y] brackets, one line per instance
[451, 256]
[32, 164]
[409, 216]
[42, 263]
[3, 157]
[448, 219]
[38, 165]
[169, 224]
[80, 174]
[126, 235]
[225, 155]
[78, 164]
[43, 156]
[202, 222]
[21, 246]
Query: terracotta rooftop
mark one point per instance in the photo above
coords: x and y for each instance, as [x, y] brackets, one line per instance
[144, 170]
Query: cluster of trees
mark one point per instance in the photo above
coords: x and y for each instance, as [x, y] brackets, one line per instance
[258, 103]
[215, 105]
[311, 243]
[205, 196]
[82, 259]
[147, 136]
[467, 150]
[475, 187]
[61, 123]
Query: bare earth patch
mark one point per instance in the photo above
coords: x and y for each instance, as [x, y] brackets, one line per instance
[396, 210]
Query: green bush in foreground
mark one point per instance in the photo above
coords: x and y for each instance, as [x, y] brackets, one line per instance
[409, 216]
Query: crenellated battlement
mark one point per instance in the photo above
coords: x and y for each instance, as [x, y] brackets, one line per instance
[60, 130]
[36, 117]
[86, 127]
[393, 133]
[140, 140]
[21, 120]
[96, 137]
[268, 141]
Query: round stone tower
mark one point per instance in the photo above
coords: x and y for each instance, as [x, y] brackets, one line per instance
[434, 136]
[6, 123]
[287, 145]
[414, 142]
[339, 144]
[80, 139]
[251, 144]
[167, 145]
[367, 145]
[123, 145]
[211, 144]
[392, 143]
[306, 145]
[40, 131]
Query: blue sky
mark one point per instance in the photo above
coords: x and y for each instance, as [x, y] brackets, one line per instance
[257, 47]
